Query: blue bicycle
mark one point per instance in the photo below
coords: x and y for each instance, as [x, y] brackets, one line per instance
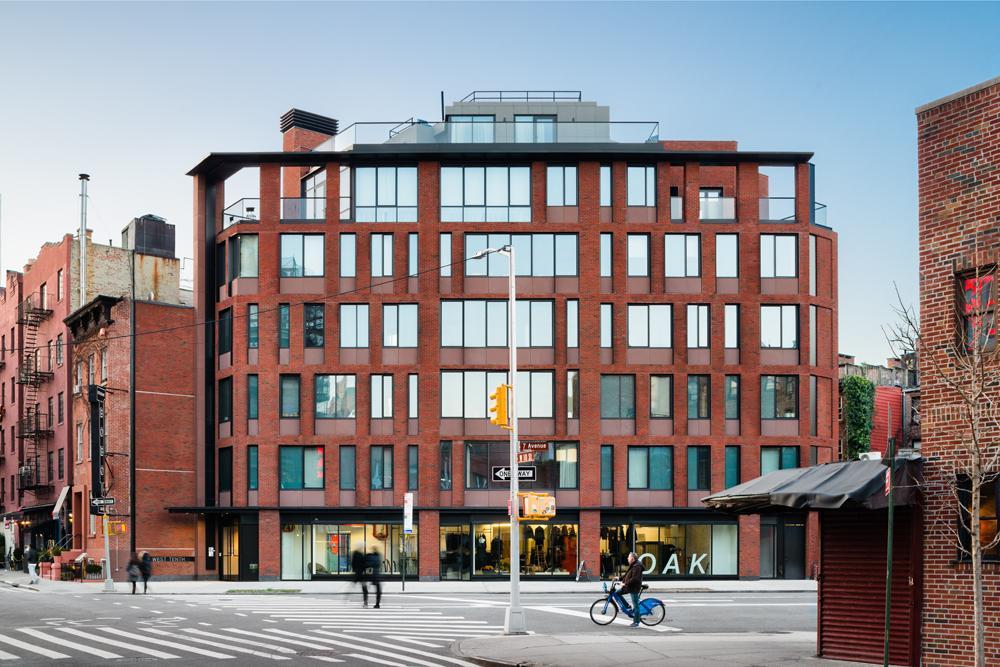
[605, 610]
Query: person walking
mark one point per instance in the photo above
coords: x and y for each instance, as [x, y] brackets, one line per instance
[373, 566]
[146, 570]
[134, 570]
[358, 567]
[31, 555]
[632, 584]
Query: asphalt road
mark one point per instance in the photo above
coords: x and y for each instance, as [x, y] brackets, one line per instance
[93, 628]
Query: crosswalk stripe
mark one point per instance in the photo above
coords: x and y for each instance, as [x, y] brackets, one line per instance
[164, 642]
[409, 633]
[112, 642]
[325, 658]
[416, 651]
[55, 655]
[319, 647]
[410, 640]
[416, 625]
[377, 661]
[368, 649]
[228, 647]
[8, 656]
[428, 629]
[248, 642]
[38, 634]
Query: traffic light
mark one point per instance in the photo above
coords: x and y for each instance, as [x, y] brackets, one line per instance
[498, 407]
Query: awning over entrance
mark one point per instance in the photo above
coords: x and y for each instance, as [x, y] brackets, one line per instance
[59, 502]
[829, 486]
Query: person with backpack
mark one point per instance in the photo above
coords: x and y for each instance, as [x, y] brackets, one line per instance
[373, 567]
[134, 570]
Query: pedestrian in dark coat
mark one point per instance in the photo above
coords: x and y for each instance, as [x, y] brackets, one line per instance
[146, 570]
[358, 567]
[373, 567]
[632, 584]
[134, 570]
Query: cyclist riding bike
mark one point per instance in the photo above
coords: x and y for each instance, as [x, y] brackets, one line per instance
[631, 583]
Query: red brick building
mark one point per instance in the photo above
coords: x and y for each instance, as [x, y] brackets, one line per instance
[959, 172]
[677, 335]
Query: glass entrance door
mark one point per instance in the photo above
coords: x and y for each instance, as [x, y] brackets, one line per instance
[229, 553]
[456, 552]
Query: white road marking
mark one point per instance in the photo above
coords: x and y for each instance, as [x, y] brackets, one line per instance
[169, 644]
[59, 641]
[619, 621]
[228, 647]
[34, 649]
[325, 658]
[248, 642]
[319, 647]
[354, 646]
[112, 642]
[410, 640]
[8, 656]
[377, 661]
[416, 651]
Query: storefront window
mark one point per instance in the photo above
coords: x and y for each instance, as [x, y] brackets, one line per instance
[546, 548]
[671, 550]
[324, 550]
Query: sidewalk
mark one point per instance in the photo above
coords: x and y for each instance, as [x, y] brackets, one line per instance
[645, 649]
[499, 587]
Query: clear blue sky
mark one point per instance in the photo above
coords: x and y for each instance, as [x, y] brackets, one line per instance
[137, 93]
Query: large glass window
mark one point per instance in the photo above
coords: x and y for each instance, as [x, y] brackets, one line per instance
[557, 466]
[314, 315]
[661, 397]
[353, 325]
[284, 326]
[732, 324]
[225, 400]
[727, 255]
[534, 323]
[641, 186]
[698, 334]
[399, 325]
[607, 468]
[252, 397]
[606, 239]
[474, 323]
[651, 468]
[385, 194]
[289, 397]
[412, 467]
[225, 331]
[301, 255]
[732, 387]
[778, 458]
[779, 327]
[252, 468]
[444, 464]
[485, 194]
[335, 396]
[572, 323]
[243, 256]
[471, 129]
[412, 393]
[605, 185]
[534, 128]
[560, 186]
[649, 325]
[732, 466]
[699, 397]
[638, 255]
[617, 397]
[348, 255]
[253, 326]
[779, 396]
[412, 254]
[381, 467]
[444, 250]
[606, 324]
[381, 255]
[572, 394]
[300, 467]
[539, 255]
[682, 255]
[978, 311]
[381, 396]
[778, 256]
[348, 467]
[225, 469]
[465, 394]
[699, 468]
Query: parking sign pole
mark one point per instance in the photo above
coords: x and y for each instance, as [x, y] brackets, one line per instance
[514, 622]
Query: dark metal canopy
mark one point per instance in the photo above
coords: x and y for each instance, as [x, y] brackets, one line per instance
[829, 486]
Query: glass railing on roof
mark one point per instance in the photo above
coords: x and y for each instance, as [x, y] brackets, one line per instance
[477, 132]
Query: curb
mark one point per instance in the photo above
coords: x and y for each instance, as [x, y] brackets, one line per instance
[14, 584]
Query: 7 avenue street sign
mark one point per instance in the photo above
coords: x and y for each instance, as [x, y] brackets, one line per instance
[524, 473]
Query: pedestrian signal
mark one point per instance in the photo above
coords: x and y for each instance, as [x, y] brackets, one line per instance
[498, 406]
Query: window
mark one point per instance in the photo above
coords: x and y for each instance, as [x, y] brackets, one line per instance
[253, 475]
[412, 467]
[641, 186]
[567, 465]
[649, 325]
[778, 256]
[79, 442]
[978, 312]
[59, 350]
[412, 254]
[43, 297]
[444, 250]
[697, 326]
[353, 325]
[301, 255]
[243, 261]
[778, 458]
[253, 326]
[699, 468]
[812, 265]
[301, 468]
[51, 414]
[61, 407]
[987, 518]
[534, 128]
[617, 397]
[90, 367]
[485, 194]
[381, 396]
[661, 397]
[727, 255]
[465, 394]
[252, 402]
[385, 194]
[348, 467]
[607, 468]
[606, 323]
[560, 186]
[471, 129]
[59, 289]
[638, 255]
[606, 255]
[381, 255]
[104, 365]
[539, 255]
[444, 460]
[779, 327]
[226, 331]
[572, 394]
[732, 325]
[779, 397]
[226, 470]
[474, 323]
[699, 397]
[225, 400]
[348, 255]
[682, 255]
[732, 389]
[335, 396]
[651, 468]
[314, 317]
[289, 408]
[572, 323]
[61, 463]
[605, 185]
[412, 396]
[534, 323]
[732, 466]
[284, 326]
[381, 467]
[399, 325]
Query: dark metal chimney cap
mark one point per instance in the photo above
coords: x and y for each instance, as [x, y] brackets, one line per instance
[308, 121]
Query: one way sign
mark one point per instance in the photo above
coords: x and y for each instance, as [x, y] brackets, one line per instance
[524, 473]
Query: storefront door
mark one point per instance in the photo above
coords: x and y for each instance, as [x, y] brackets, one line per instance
[782, 547]
[229, 553]
[456, 552]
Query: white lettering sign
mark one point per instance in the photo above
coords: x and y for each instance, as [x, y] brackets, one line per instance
[673, 565]
[696, 562]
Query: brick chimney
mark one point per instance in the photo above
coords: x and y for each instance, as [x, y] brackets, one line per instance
[302, 132]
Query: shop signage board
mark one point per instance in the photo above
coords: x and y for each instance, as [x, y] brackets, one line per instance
[524, 473]
[533, 446]
[96, 396]
[408, 513]
[526, 457]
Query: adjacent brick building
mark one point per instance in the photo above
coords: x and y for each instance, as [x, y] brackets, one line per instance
[677, 335]
[959, 172]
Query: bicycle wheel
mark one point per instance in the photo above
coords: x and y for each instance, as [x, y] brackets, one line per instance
[653, 612]
[603, 611]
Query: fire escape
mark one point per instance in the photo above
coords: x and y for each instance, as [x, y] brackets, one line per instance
[35, 426]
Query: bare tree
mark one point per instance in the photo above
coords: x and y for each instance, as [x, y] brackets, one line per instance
[966, 361]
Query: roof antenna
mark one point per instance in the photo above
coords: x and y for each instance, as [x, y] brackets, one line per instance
[442, 105]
